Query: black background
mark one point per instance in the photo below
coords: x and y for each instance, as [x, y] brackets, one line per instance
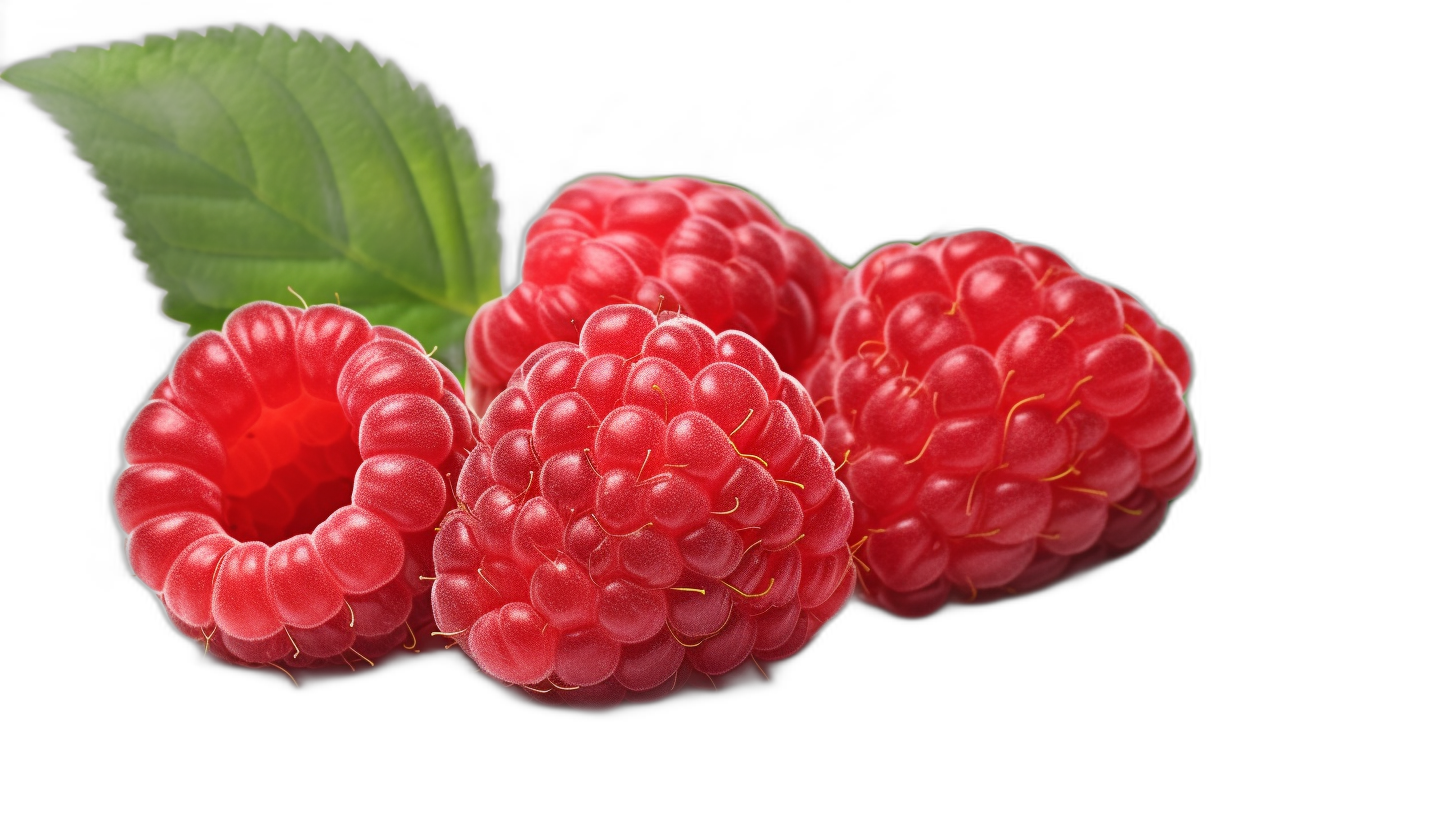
[884, 130]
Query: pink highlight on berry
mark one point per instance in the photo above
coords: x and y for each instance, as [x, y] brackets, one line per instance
[647, 503]
[710, 251]
[999, 419]
[277, 478]
[156, 543]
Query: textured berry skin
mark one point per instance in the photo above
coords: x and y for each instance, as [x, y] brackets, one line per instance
[712, 251]
[999, 419]
[650, 501]
[284, 482]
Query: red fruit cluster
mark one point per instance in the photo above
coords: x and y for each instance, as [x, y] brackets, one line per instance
[1000, 416]
[284, 483]
[711, 251]
[651, 498]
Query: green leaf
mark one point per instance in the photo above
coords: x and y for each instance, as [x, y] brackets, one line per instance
[246, 163]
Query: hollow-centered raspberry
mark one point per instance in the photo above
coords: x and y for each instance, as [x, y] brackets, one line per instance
[1000, 419]
[711, 251]
[283, 485]
[649, 499]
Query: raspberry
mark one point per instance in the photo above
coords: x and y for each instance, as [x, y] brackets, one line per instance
[1000, 419]
[650, 499]
[711, 251]
[284, 483]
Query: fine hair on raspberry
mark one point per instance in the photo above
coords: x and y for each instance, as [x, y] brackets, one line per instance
[1000, 419]
[284, 482]
[649, 501]
[711, 251]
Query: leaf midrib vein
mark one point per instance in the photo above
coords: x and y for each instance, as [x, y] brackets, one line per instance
[382, 123]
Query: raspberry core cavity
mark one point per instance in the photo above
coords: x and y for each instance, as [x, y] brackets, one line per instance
[284, 483]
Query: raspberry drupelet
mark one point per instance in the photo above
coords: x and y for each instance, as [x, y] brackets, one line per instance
[649, 501]
[284, 483]
[711, 251]
[1000, 419]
